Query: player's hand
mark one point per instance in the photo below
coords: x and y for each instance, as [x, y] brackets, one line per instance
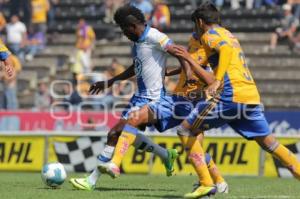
[212, 89]
[98, 87]
[181, 52]
[9, 70]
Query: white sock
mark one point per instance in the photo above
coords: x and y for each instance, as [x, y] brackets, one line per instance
[93, 177]
[105, 156]
[144, 143]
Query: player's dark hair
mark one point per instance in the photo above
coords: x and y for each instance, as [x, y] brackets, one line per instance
[127, 15]
[208, 12]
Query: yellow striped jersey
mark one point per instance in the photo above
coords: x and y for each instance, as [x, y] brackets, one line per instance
[239, 85]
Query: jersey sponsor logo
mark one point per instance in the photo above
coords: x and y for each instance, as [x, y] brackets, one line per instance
[137, 66]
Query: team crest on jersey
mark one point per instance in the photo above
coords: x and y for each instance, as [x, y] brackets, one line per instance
[137, 66]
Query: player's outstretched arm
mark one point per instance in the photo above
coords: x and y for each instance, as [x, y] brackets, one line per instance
[173, 72]
[208, 77]
[101, 85]
[172, 50]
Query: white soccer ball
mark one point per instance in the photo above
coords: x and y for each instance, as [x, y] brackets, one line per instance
[54, 174]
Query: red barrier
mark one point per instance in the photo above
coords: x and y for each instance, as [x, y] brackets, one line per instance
[56, 121]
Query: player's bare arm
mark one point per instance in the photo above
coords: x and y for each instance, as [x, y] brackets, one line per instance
[173, 72]
[101, 85]
[208, 77]
[188, 71]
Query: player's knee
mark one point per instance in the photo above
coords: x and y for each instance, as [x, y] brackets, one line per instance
[135, 120]
[200, 136]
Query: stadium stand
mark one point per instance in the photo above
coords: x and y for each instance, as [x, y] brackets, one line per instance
[277, 72]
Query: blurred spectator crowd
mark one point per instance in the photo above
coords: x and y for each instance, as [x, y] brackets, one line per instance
[156, 12]
[24, 31]
[24, 28]
[288, 28]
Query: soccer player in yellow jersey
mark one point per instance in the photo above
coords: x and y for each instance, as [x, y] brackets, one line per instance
[194, 92]
[197, 52]
[235, 100]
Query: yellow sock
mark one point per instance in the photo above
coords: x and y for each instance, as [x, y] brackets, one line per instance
[288, 159]
[197, 159]
[213, 169]
[126, 139]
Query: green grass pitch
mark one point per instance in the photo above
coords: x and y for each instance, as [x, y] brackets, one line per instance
[17, 185]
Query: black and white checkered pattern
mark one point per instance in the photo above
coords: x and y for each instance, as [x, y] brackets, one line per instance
[283, 171]
[80, 155]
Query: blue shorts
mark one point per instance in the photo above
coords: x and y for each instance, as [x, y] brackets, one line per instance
[170, 111]
[135, 103]
[247, 120]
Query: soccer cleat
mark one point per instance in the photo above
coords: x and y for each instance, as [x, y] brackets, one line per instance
[110, 168]
[81, 184]
[222, 187]
[201, 192]
[169, 163]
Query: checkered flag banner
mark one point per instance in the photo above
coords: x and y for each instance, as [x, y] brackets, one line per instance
[80, 155]
[281, 170]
